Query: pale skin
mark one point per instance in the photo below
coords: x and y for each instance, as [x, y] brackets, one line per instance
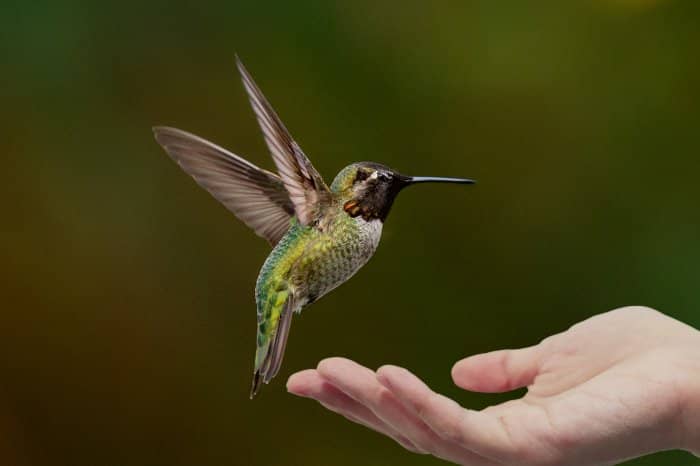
[616, 386]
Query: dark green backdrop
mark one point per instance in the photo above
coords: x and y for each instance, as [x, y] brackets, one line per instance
[127, 322]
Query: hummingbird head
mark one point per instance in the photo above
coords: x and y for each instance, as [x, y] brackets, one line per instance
[368, 189]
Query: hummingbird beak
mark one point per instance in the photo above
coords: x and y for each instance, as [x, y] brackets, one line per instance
[436, 179]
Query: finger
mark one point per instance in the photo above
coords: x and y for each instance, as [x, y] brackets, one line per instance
[498, 371]
[362, 385]
[476, 431]
[310, 384]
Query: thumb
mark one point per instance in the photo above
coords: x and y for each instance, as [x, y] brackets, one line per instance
[497, 371]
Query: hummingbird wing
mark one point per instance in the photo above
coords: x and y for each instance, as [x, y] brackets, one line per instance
[305, 185]
[256, 196]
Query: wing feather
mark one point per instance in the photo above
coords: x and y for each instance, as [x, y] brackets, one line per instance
[305, 186]
[256, 196]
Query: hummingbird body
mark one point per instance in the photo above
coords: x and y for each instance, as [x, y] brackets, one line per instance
[321, 236]
[306, 264]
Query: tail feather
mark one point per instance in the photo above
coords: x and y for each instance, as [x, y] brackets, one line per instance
[279, 343]
[271, 346]
[256, 384]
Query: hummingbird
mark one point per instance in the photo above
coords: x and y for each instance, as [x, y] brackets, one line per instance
[321, 235]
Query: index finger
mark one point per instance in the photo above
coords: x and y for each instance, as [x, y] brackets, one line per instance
[361, 383]
[479, 432]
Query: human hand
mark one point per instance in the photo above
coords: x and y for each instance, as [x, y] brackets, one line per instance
[613, 387]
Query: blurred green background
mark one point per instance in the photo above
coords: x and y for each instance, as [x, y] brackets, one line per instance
[127, 325]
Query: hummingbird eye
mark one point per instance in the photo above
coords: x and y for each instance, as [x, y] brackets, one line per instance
[361, 175]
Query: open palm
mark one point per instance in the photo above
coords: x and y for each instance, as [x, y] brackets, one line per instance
[610, 388]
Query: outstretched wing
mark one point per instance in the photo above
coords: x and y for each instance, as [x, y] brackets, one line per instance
[306, 188]
[256, 196]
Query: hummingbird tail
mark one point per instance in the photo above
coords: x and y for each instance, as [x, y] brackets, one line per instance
[257, 383]
[271, 346]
